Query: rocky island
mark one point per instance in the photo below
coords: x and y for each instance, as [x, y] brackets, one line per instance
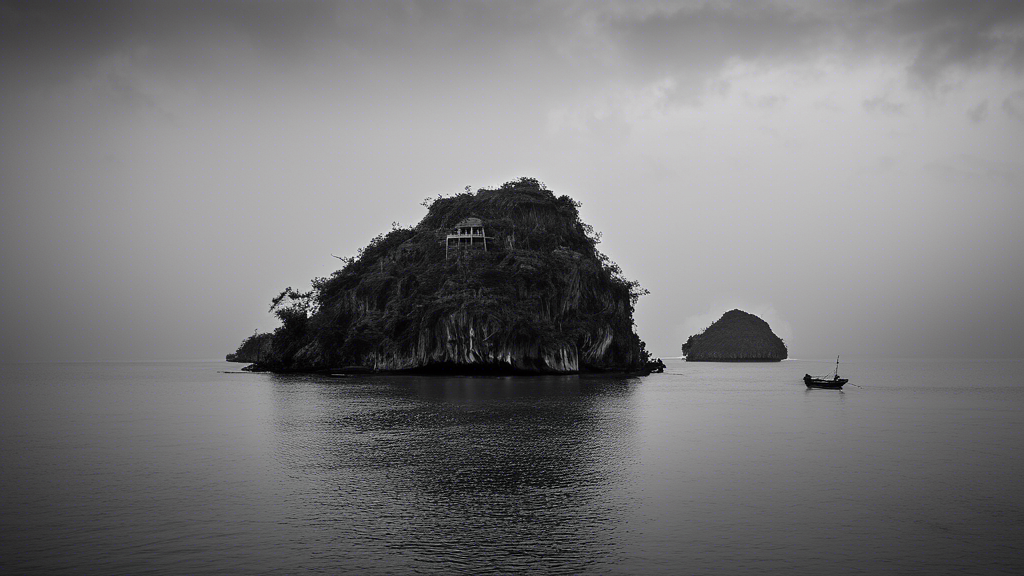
[504, 280]
[735, 337]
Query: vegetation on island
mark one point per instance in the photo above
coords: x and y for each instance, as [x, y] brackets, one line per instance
[253, 349]
[541, 298]
[736, 337]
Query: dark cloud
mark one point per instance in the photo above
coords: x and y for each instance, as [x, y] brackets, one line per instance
[1016, 60]
[49, 44]
[935, 36]
[41, 41]
[704, 38]
[954, 33]
[96, 26]
[48, 40]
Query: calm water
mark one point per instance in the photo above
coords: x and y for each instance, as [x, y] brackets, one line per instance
[707, 469]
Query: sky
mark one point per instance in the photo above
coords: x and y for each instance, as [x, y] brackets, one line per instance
[849, 171]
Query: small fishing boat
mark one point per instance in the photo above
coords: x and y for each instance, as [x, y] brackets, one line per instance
[832, 381]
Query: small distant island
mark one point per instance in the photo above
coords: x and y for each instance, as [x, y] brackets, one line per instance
[505, 280]
[736, 337]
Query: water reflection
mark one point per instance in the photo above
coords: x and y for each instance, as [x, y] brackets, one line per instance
[723, 469]
[479, 474]
[840, 394]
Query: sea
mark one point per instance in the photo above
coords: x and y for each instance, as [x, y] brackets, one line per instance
[916, 467]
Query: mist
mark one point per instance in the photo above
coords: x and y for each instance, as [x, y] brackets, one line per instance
[849, 172]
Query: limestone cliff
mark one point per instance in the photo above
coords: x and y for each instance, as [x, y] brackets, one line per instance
[736, 337]
[535, 296]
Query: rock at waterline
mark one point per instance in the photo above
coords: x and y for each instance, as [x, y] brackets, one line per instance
[500, 280]
[736, 337]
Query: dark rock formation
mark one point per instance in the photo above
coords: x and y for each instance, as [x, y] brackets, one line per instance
[252, 349]
[535, 297]
[736, 337]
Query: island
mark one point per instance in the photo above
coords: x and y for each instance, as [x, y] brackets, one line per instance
[736, 337]
[502, 280]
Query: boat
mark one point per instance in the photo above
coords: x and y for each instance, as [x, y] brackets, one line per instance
[834, 381]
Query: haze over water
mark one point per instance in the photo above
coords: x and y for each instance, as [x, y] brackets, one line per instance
[848, 171]
[708, 469]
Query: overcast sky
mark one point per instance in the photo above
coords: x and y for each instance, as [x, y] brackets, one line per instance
[849, 171]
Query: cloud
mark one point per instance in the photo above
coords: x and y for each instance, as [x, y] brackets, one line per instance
[955, 34]
[969, 168]
[86, 29]
[697, 42]
[932, 36]
[45, 42]
[611, 113]
[767, 102]
[979, 112]
[640, 43]
[1013, 105]
[1016, 59]
[883, 105]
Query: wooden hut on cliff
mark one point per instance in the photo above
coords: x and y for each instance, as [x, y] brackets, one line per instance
[466, 235]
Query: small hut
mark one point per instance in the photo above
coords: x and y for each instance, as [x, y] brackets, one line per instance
[466, 235]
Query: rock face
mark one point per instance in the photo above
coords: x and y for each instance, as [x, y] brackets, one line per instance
[736, 337]
[536, 297]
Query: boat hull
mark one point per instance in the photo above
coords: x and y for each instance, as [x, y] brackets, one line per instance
[834, 384]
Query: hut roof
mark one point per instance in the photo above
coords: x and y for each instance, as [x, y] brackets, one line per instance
[470, 222]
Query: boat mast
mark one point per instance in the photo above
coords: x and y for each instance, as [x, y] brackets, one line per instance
[837, 365]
